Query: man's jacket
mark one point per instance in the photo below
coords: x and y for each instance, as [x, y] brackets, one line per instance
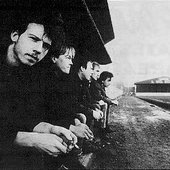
[21, 109]
[97, 92]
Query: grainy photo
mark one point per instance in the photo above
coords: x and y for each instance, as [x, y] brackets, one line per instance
[84, 84]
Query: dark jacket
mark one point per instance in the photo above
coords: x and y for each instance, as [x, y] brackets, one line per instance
[97, 92]
[66, 96]
[59, 98]
[21, 109]
[83, 103]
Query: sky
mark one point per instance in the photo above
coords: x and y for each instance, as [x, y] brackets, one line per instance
[141, 48]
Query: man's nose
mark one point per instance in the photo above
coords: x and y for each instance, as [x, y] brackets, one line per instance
[39, 47]
[71, 62]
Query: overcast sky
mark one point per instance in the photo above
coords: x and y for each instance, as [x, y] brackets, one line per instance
[141, 48]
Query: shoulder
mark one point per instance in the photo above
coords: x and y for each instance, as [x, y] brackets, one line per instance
[97, 84]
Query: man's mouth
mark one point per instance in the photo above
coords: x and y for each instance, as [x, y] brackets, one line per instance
[69, 68]
[33, 57]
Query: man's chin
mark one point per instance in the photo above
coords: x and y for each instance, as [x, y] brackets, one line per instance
[66, 72]
[28, 64]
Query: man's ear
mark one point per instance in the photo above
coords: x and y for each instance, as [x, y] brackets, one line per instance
[14, 36]
[81, 68]
[54, 59]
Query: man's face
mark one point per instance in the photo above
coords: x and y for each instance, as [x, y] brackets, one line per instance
[87, 73]
[107, 82]
[96, 72]
[31, 46]
[64, 62]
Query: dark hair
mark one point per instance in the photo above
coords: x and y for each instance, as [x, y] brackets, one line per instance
[67, 45]
[84, 63]
[104, 75]
[49, 19]
[84, 57]
[81, 59]
[18, 20]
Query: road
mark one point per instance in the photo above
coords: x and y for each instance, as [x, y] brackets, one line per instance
[141, 137]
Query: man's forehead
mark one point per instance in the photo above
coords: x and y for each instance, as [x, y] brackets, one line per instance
[34, 27]
[97, 68]
[38, 31]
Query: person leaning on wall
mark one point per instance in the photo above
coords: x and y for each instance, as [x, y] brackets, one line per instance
[81, 78]
[23, 133]
[104, 82]
[99, 98]
[59, 100]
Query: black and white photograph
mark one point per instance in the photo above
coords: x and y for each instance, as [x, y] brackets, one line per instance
[84, 84]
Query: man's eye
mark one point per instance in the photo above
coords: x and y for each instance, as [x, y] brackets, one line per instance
[46, 46]
[33, 38]
[68, 57]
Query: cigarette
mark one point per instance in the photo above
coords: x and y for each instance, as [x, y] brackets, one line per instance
[76, 146]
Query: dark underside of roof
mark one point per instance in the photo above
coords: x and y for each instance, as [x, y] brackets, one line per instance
[88, 22]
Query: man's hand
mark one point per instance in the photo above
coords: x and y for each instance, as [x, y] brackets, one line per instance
[44, 127]
[115, 102]
[101, 102]
[49, 143]
[81, 130]
[61, 131]
[101, 113]
[97, 114]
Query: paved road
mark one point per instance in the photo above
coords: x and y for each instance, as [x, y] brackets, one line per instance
[141, 137]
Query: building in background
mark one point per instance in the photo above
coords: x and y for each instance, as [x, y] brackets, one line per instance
[153, 87]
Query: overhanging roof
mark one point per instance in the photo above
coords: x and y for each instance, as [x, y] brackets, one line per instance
[100, 12]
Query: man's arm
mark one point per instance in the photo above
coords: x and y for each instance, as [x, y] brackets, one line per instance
[95, 91]
[49, 143]
[45, 127]
[81, 130]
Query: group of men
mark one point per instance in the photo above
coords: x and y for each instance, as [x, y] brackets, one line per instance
[45, 111]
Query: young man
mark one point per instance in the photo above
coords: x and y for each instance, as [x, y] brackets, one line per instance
[97, 101]
[99, 97]
[59, 101]
[59, 94]
[96, 71]
[93, 84]
[23, 132]
[100, 94]
[82, 102]
[82, 80]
